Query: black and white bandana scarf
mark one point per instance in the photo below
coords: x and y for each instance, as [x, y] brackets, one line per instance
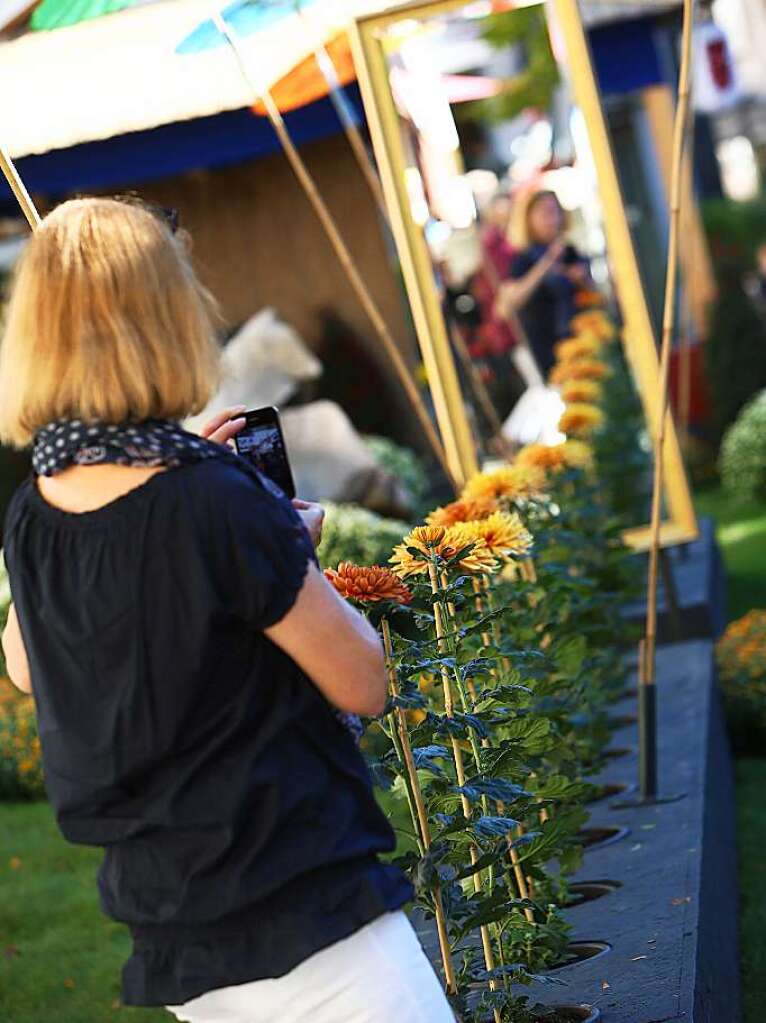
[150, 443]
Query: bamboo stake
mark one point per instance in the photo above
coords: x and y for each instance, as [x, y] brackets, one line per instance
[335, 238]
[421, 814]
[457, 754]
[17, 187]
[481, 392]
[647, 675]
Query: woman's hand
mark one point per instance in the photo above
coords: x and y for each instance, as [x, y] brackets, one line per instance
[313, 518]
[224, 425]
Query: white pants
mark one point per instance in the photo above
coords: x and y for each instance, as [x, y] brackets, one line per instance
[378, 975]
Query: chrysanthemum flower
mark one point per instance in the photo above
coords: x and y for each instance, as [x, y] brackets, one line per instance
[371, 585]
[462, 511]
[445, 543]
[581, 420]
[594, 321]
[581, 390]
[504, 534]
[578, 369]
[573, 454]
[577, 348]
[586, 299]
[513, 482]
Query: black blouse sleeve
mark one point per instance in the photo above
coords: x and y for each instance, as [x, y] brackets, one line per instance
[263, 551]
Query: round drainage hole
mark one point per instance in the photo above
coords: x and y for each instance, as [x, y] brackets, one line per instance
[596, 838]
[581, 952]
[588, 891]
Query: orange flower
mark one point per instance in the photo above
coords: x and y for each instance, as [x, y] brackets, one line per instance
[577, 348]
[504, 535]
[594, 321]
[573, 454]
[462, 511]
[514, 482]
[356, 582]
[587, 299]
[581, 390]
[579, 369]
[581, 420]
[480, 560]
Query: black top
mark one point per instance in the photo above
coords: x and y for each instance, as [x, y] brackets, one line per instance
[236, 812]
[547, 315]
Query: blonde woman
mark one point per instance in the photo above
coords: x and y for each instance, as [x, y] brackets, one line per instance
[187, 657]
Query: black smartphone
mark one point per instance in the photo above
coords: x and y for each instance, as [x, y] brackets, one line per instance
[261, 441]
[570, 256]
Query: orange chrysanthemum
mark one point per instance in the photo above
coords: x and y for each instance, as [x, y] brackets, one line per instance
[572, 454]
[504, 535]
[587, 347]
[513, 482]
[576, 391]
[581, 420]
[579, 369]
[462, 511]
[588, 299]
[371, 585]
[594, 321]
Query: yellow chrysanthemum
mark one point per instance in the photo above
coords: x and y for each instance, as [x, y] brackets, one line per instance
[578, 369]
[426, 539]
[581, 420]
[594, 321]
[479, 560]
[462, 511]
[576, 391]
[513, 482]
[578, 454]
[504, 534]
[578, 348]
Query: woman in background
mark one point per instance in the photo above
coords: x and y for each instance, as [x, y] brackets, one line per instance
[546, 273]
[187, 658]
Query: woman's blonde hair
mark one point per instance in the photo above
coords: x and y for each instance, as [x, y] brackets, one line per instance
[107, 322]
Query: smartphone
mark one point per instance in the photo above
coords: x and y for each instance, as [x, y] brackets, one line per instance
[570, 256]
[261, 441]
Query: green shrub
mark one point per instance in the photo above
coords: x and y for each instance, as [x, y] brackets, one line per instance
[743, 452]
[355, 534]
[736, 349]
[406, 466]
[741, 656]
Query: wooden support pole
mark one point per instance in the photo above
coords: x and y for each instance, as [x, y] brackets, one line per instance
[647, 674]
[339, 246]
[17, 187]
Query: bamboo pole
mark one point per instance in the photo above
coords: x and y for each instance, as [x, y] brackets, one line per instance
[17, 187]
[420, 808]
[647, 674]
[457, 754]
[335, 238]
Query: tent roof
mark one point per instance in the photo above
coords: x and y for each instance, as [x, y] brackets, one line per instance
[120, 73]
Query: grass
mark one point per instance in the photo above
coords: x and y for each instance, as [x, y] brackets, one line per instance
[60, 958]
[741, 529]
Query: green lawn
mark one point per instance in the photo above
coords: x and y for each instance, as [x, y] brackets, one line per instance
[741, 528]
[60, 958]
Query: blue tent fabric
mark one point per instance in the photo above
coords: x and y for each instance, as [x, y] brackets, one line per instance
[626, 55]
[127, 160]
[244, 17]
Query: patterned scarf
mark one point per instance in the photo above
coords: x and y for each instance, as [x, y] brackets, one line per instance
[153, 442]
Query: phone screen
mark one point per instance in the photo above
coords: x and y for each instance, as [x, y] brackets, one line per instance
[263, 445]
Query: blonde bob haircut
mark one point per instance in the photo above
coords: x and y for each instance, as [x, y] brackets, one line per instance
[107, 322]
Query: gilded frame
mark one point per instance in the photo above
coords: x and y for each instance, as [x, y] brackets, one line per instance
[680, 523]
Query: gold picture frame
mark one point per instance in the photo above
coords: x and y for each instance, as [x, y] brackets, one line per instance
[680, 522]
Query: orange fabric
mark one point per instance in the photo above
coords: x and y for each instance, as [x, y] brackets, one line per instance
[306, 83]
